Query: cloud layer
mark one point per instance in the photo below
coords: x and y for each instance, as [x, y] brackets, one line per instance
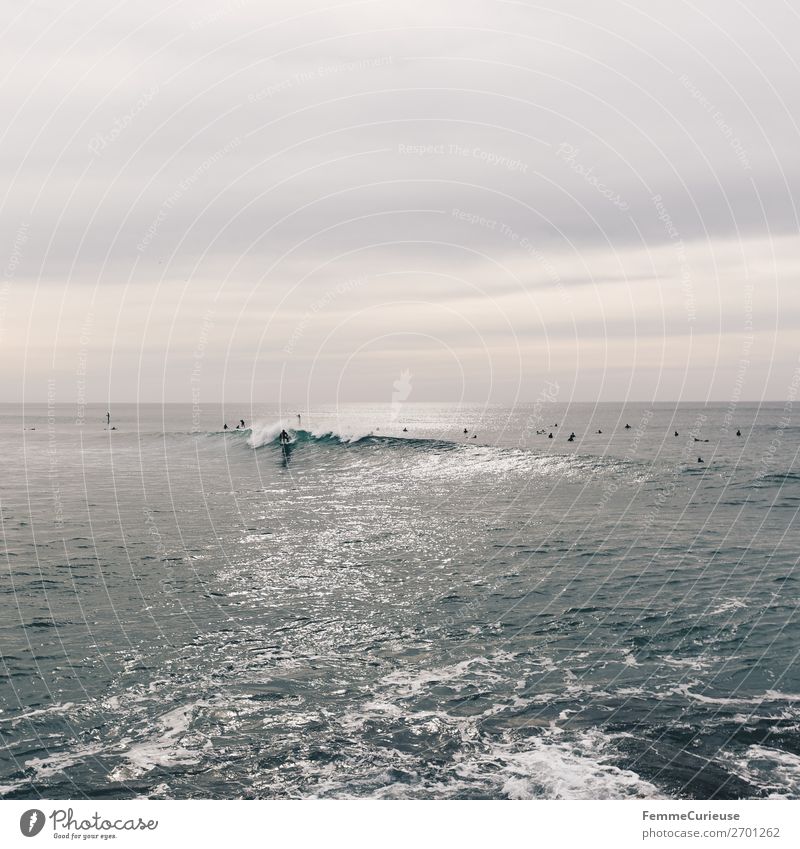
[308, 200]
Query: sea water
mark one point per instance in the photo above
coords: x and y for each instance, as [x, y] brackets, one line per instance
[388, 607]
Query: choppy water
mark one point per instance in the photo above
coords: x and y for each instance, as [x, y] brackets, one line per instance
[408, 614]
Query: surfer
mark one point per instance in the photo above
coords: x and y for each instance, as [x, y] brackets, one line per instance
[225, 426]
[405, 430]
[627, 427]
[108, 419]
[700, 460]
[676, 433]
[241, 422]
[738, 433]
[284, 437]
[550, 435]
[465, 430]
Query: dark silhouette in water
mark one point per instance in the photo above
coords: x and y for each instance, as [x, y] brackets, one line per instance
[465, 430]
[571, 437]
[287, 446]
[627, 427]
[700, 460]
[405, 430]
[225, 426]
[676, 433]
[550, 435]
[241, 422]
[474, 435]
[738, 433]
[599, 431]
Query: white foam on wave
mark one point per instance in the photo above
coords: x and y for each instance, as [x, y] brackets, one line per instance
[411, 683]
[727, 606]
[553, 766]
[162, 750]
[768, 696]
[578, 769]
[53, 709]
[263, 433]
[696, 663]
[774, 771]
[53, 764]
[9, 788]
[556, 764]
[552, 762]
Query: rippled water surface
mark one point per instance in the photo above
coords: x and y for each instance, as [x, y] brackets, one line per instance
[414, 614]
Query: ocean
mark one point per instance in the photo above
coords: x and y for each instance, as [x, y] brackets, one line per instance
[388, 607]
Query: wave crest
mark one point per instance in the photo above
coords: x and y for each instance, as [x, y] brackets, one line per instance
[267, 433]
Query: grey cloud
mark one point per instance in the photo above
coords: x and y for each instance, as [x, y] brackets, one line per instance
[243, 145]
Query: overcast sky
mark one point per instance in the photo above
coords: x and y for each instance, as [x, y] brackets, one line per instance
[268, 201]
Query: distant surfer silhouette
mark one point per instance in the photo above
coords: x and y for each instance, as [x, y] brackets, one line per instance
[465, 430]
[284, 437]
[550, 435]
[405, 430]
[676, 433]
[225, 426]
[700, 460]
[241, 422]
[738, 433]
[627, 427]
